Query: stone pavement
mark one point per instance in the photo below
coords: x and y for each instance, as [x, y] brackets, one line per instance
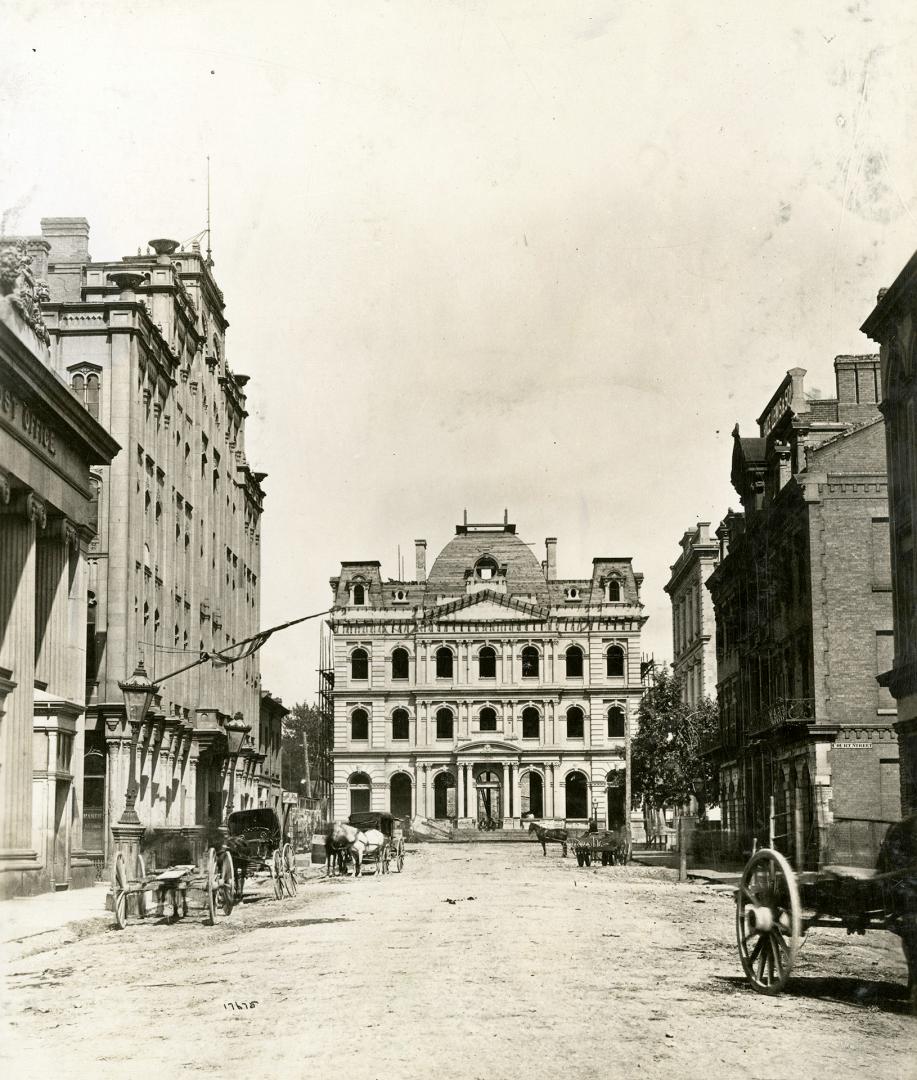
[51, 919]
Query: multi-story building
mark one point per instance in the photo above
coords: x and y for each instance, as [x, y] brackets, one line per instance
[893, 324]
[174, 570]
[804, 621]
[488, 691]
[47, 520]
[693, 623]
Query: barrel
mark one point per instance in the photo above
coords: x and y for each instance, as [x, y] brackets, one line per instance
[318, 850]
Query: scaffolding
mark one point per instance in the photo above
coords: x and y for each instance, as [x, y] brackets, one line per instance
[322, 754]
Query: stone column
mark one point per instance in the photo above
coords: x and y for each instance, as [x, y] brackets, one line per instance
[460, 793]
[504, 809]
[558, 808]
[517, 792]
[20, 517]
[472, 798]
[549, 789]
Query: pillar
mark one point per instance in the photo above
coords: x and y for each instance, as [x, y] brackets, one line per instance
[504, 809]
[52, 579]
[20, 517]
[517, 791]
[549, 790]
[557, 809]
[460, 790]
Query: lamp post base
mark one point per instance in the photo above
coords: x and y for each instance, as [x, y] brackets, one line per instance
[127, 838]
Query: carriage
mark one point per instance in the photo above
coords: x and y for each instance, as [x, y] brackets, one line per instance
[866, 880]
[391, 853]
[161, 890]
[611, 847]
[260, 847]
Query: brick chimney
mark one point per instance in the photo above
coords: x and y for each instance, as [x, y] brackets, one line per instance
[69, 240]
[420, 560]
[550, 545]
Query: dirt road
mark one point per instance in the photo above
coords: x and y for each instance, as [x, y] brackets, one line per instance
[477, 961]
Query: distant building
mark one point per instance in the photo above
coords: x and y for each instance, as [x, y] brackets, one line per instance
[269, 738]
[488, 692]
[48, 444]
[892, 325]
[693, 622]
[174, 570]
[804, 620]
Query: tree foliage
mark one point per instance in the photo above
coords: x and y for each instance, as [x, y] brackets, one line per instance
[667, 767]
[301, 718]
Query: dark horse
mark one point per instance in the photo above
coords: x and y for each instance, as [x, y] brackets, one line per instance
[549, 836]
[897, 864]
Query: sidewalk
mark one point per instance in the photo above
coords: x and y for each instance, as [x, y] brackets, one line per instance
[33, 923]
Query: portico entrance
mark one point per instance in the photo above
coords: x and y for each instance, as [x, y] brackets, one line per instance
[489, 800]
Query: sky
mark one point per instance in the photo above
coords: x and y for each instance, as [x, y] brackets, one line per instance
[533, 256]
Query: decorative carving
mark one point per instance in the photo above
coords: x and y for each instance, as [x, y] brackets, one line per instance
[5, 489]
[18, 283]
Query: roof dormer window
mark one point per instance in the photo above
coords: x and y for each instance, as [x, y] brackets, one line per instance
[485, 569]
[572, 593]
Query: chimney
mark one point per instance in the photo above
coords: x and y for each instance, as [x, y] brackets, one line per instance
[68, 237]
[550, 545]
[420, 560]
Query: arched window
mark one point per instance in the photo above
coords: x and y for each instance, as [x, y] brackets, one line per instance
[614, 662]
[613, 591]
[485, 568]
[530, 662]
[531, 723]
[444, 722]
[575, 722]
[359, 664]
[78, 387]
[444, 663]
[359, 594]
[92, 395]
[616, 722]
[401, 724]
[400, 787]
[359, 724]
[574, 657]
[360, 793]
[488, 719]
[401, 664]
[487, 663]
[577, 790]
[444, 796]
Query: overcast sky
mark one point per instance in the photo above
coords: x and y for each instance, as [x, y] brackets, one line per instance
[486, 255]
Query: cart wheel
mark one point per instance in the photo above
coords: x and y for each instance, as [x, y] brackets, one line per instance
[587, 858]
[579, 858]
[399, 856]
[768, 921]
[289, 866]
[277, 875]
[143, 900]
[211, 885]
[119, 891]
[227, 884]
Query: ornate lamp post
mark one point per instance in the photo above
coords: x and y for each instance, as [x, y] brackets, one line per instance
[138, 692]
[236, 730]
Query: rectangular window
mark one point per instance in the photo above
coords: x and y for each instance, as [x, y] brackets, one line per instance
[881, 554]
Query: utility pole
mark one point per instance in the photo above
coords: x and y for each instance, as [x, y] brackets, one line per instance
[305, 750]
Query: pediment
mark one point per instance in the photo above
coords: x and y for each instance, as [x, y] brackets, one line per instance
[486, 606]
[487, 746]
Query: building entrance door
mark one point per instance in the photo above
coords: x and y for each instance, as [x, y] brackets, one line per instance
[489, 801]
[444, 796]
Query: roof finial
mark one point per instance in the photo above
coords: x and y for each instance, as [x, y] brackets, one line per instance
[506, 516]
[466, 515]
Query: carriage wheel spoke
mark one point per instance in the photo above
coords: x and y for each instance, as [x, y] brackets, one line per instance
[756, 951]
[762, 960]
[778, 959]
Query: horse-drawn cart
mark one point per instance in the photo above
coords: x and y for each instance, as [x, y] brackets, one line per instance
[391, 852]
[170, 888]
[611, 847]
[261, 848]
[874, 888]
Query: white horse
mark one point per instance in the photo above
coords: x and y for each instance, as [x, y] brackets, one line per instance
[374, 844]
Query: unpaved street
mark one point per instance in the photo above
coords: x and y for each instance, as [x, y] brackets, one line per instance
[537, 969]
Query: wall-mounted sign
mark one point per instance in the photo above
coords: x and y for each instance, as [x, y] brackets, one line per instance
[853, 746]
[778, 409]
[16, 413]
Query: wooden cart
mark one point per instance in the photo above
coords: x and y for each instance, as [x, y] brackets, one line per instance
[611, 847]
[260, 847]
[392, 852]
[161, 890]
[875, 888]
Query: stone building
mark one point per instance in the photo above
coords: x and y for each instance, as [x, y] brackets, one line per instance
[489, 690]
[804, 621]
[269, 736]
[174, 570]
[48, 444]
[893, 325]
[693, 624]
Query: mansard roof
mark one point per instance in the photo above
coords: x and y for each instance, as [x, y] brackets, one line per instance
[524, 575]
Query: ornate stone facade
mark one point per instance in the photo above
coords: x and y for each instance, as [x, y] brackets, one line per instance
[489, 691]
[693, 624]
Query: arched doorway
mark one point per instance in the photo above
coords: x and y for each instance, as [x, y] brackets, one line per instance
[400, 795]
[489, 803]
[360, 792]
[614, 785]
[444, 796]
[577, 801]
[531, 788]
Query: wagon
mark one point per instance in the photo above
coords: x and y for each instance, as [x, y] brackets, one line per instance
[611, 847]
[392, 852]
[170, 888]
[260, 847]
[874, 888]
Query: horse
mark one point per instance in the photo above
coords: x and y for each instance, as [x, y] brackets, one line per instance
[549, 836]
[373, 843]
[342, 840]
[897, 864]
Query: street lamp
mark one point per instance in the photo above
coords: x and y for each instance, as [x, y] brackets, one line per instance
[236, 730]
[138, 692]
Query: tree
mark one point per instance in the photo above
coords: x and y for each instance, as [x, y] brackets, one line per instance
[667, 767]
[301, 718]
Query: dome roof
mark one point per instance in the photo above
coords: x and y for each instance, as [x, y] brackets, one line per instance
[523, 570]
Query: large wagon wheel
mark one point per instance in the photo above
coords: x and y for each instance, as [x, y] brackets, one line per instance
[277, 874]
[119, 890]
[143, 904]
[289, 870]
[227, 884]
[768, 921]
[211, 885]
[399, 856]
